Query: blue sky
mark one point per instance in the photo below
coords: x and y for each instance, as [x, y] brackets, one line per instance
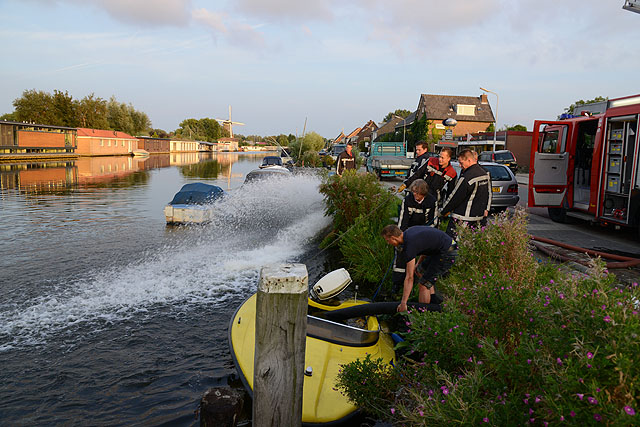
[336, 63]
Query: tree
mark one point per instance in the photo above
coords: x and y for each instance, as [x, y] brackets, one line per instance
[34, 106]
[521, 128]
[571, 109]
[490, 128]
[402, 113]
[91, 112]
[205, 129]
[10, 117]
[283, 140]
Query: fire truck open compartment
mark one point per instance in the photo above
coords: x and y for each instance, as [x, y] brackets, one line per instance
[588, 166]
[620, 198]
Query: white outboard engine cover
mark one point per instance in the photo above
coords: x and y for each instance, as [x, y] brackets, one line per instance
[331, 284]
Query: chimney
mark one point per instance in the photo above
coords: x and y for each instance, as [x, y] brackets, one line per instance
[484, 99]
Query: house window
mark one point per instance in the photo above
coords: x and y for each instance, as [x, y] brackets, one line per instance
[108, 143]
[466, 110]
[102, 143]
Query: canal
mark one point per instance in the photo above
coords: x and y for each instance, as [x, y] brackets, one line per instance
[110, 317]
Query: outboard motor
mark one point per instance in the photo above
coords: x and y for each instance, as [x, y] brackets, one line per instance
[331, 285]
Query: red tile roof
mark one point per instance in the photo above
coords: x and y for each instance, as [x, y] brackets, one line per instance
[101, 133]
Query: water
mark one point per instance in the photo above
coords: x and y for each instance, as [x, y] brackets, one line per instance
[108, 316]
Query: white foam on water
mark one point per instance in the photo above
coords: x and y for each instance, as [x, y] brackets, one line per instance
[264, 223]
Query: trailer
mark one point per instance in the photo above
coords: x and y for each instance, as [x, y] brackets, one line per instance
[587, 167]
[388, 159]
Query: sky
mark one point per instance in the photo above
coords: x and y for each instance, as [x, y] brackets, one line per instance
[330, 64]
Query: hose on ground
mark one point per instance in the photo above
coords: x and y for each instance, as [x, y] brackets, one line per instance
[625, 262]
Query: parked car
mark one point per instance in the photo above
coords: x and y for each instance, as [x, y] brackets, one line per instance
[503, 182]
[504, 157]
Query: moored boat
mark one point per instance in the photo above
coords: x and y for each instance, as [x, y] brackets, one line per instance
[267, 173]
[337, 333]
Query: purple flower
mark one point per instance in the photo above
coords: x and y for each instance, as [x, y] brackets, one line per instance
[572, 413]
[538, 399]
[589, 355]
[529, 361]
[597, 417]
[559, 361]
[606, 319]
[421, 413]
[580, 396]
[592, 400]
[485, 420]
[393, 411]
[561, 417]
[629, 410]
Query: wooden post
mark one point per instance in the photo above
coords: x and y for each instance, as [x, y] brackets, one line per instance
[220, 407]
[281, 329]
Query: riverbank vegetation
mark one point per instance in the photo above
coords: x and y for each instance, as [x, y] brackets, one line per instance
[360, 207]
[519, 341]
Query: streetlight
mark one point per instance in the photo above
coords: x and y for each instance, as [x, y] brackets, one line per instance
[495, 124]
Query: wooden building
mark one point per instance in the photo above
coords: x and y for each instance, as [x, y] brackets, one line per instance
[153, 144]
[28, 138]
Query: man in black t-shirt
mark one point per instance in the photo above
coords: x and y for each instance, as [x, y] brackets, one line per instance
[421, 240]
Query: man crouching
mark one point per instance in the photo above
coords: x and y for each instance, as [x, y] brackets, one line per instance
[416, 241]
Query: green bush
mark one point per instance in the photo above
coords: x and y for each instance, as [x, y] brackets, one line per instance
[551, 346]
[360, 207]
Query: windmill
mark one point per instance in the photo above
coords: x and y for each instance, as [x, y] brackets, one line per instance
[228, 124]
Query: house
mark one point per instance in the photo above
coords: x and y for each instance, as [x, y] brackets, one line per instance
[387, 127]
[518, 142]
[100, 142]
[153, 144]
[340, 139]
[353, 136]
[366, 132]
[34, 139]
[183, 146]
[473, 114]
[227, 144]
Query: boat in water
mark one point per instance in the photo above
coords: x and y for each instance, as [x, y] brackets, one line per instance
[338, 332]
[271, 172]
[193, 204]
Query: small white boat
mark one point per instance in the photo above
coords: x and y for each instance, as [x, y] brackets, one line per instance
[193, 204]
[140, 153]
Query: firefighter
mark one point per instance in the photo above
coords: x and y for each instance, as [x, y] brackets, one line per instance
[436, 171]
[346, 160]
[417, 207]
[470, 199]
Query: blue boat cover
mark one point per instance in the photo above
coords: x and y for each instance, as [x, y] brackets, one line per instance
[197, 193]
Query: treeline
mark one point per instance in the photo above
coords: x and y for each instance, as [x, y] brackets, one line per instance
[61, 109]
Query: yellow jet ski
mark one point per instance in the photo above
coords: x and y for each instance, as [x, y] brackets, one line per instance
[337, 333]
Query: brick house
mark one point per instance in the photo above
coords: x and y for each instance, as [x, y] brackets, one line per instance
[99, 142]
[387, 127]
[153, 144]
[353, 136]
[473, 114]
[365, 134]
[339, 139]
[28, 138]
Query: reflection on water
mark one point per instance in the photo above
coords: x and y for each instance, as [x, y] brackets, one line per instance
[57, 176]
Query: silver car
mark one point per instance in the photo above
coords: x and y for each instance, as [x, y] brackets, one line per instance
[503, 182]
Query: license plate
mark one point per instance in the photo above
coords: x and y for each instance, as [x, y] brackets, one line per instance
[496, 189]
[399, 173]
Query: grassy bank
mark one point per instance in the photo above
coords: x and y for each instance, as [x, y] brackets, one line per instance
[517, 342]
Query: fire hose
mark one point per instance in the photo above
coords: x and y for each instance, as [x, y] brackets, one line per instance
[624, 262]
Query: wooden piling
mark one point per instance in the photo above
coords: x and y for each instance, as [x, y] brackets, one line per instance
[281, 328]
[221, 407]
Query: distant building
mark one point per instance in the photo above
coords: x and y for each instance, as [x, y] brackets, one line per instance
[366, 132]
[339, 139]
[100, 142]
[154, 144]
[387, 127]
[352, 137]
[473, 114]
[183, 146]
[227, 144]
[32, 139]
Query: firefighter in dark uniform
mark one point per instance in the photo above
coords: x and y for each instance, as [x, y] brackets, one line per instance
[417, 207]
[436, 172]
[470, 199]
[346, 160]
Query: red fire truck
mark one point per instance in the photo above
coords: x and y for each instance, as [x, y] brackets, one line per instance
[588, 166]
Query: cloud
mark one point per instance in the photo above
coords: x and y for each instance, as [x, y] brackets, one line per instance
[289, 10]
[236, 33]
[146, 13]
[158, 12]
